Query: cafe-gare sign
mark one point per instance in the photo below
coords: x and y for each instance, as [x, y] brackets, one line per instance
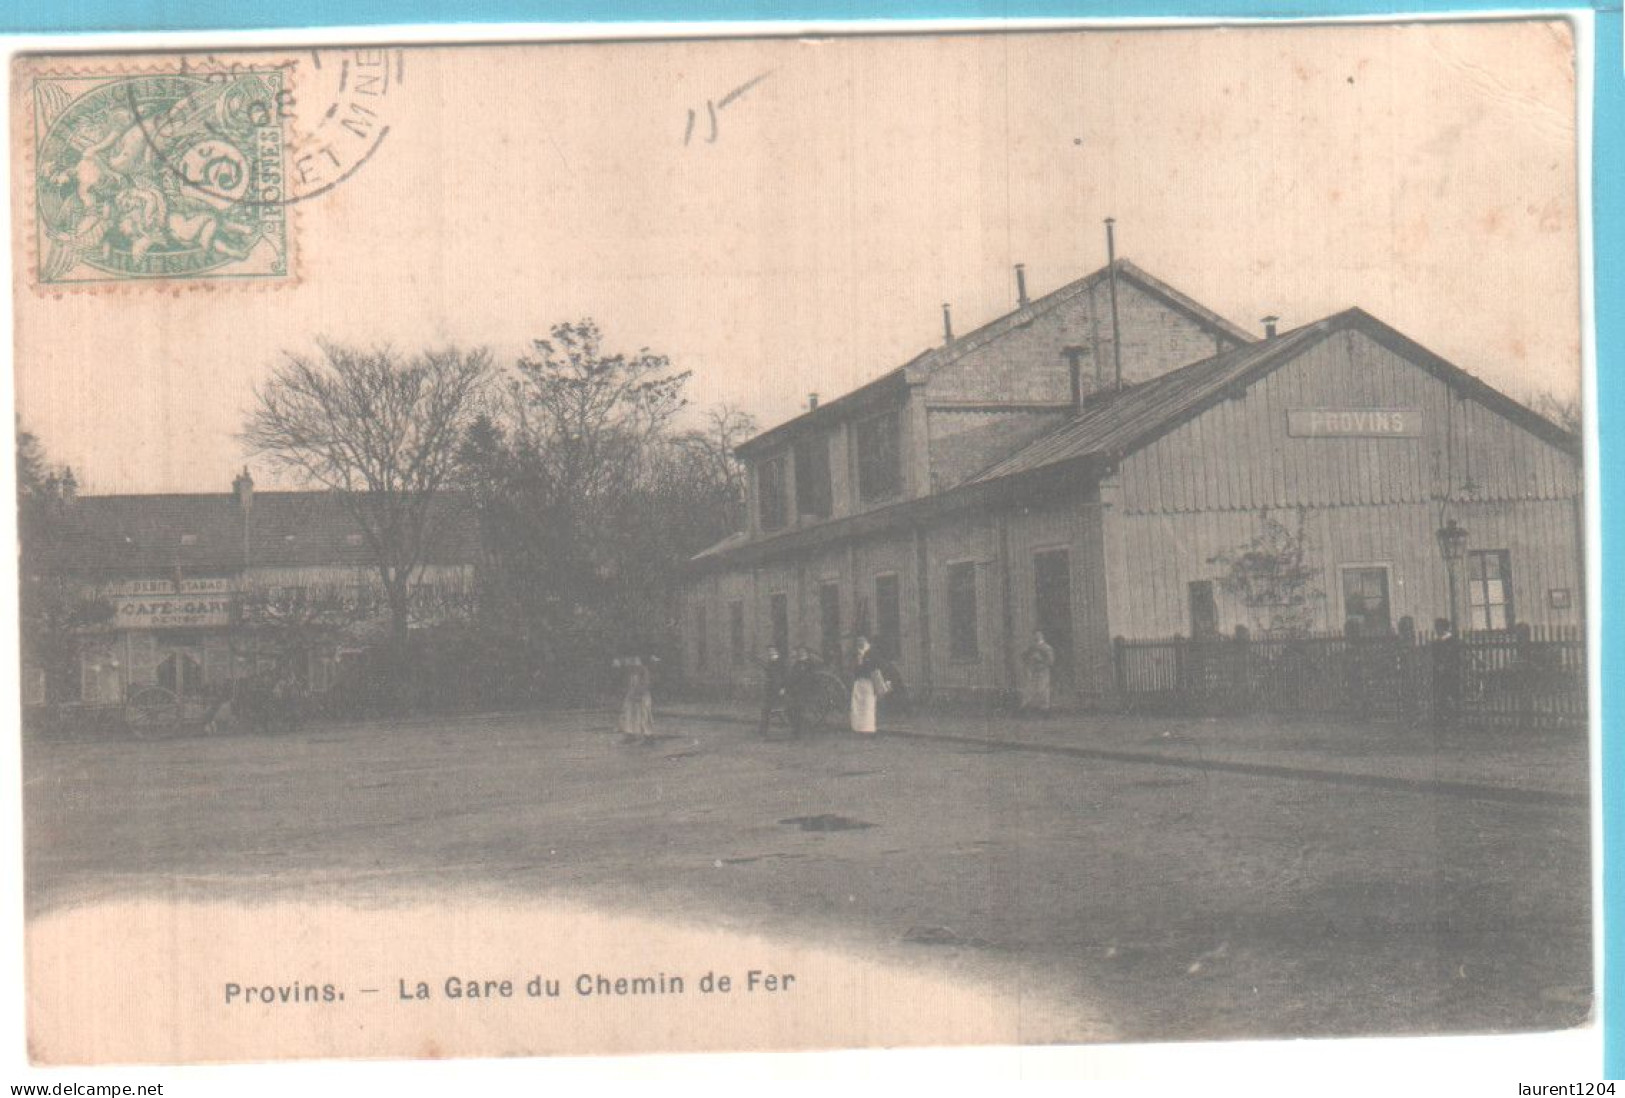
[1354, 422]
[189, 611]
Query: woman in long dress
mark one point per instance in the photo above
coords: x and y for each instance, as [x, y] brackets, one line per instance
[637, 704]
[864, 669]
[1039, 659]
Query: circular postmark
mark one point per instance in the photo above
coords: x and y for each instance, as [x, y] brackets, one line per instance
[333, 105]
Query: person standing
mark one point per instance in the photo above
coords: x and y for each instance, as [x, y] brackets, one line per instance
[865, 669]
[637, 703]
[1038, 663]
[798, 686]
[773, 687]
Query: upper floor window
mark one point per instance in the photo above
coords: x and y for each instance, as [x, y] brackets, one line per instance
[770, 493]
[813, 494]
[880, 454]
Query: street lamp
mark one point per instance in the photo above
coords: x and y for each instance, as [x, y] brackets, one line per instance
[1453, 547]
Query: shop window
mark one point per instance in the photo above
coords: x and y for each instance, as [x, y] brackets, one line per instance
[880, 464]
[736, 633]
[1366, 610]
[814, 497]
[1204, 609]
[962, 640]
[770, 493]
[1489, 589]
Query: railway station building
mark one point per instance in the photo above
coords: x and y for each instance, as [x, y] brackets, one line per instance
[1114, 460]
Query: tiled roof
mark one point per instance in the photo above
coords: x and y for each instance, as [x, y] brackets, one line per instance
[1116, 423]
[205, 534]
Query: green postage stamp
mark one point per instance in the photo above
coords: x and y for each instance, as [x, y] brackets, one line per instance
[157, 176]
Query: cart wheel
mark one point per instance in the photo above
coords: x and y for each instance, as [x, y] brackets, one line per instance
[152, 712]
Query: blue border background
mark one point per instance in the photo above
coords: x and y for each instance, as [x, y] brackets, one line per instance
[1608, 197]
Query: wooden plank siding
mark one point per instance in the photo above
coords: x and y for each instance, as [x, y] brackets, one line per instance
[1201, 490]
[1238, 456]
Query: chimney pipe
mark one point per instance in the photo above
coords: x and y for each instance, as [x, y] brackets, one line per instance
[947, 324]
[243, 485]
[1021, 285]
[1269, 326]
[812, 402]
[1111, 278]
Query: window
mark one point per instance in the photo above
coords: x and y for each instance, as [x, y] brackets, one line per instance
[1365, 601]
[770, 493]
[888, 638]
[188, 539]
[736, 633]
[880, 467]
[1204, 609]
[829, 622]
[962, 641]
[700, 652]
[778, 610]
[352, 539]
[1489, 589]
[813, 494]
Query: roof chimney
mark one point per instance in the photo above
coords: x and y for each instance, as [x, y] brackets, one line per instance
[1269, 326]
[947, 324]
[1021, 286]
[812, 402]
[243, 485]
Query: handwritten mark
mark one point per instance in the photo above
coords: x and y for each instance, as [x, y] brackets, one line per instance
[712, 106]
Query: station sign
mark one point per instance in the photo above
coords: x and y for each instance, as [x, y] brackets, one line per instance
[1354, 422]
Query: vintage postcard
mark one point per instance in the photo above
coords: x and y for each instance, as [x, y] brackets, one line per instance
[1007, 537]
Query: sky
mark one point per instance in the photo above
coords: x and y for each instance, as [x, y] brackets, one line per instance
[852, 186]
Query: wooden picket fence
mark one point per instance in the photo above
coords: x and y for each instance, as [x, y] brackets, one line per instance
[1529, 677]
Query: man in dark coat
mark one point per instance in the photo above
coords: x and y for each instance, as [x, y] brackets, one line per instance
[774, 681]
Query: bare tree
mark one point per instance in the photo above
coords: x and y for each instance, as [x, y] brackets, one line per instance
[382, 432]
[1561, 410]
[712, 446]
[590, 418]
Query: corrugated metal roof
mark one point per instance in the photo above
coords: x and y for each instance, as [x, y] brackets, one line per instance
[1116, 423]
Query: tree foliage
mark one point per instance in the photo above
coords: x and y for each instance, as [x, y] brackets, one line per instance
[592, 495]
[50, 607]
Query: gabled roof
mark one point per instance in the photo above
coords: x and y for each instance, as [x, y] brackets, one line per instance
[1117, 423]
[920, 367]
[204, 533]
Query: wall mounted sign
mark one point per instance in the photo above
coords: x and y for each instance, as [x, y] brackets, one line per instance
[171, 611]
[1354, 422]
